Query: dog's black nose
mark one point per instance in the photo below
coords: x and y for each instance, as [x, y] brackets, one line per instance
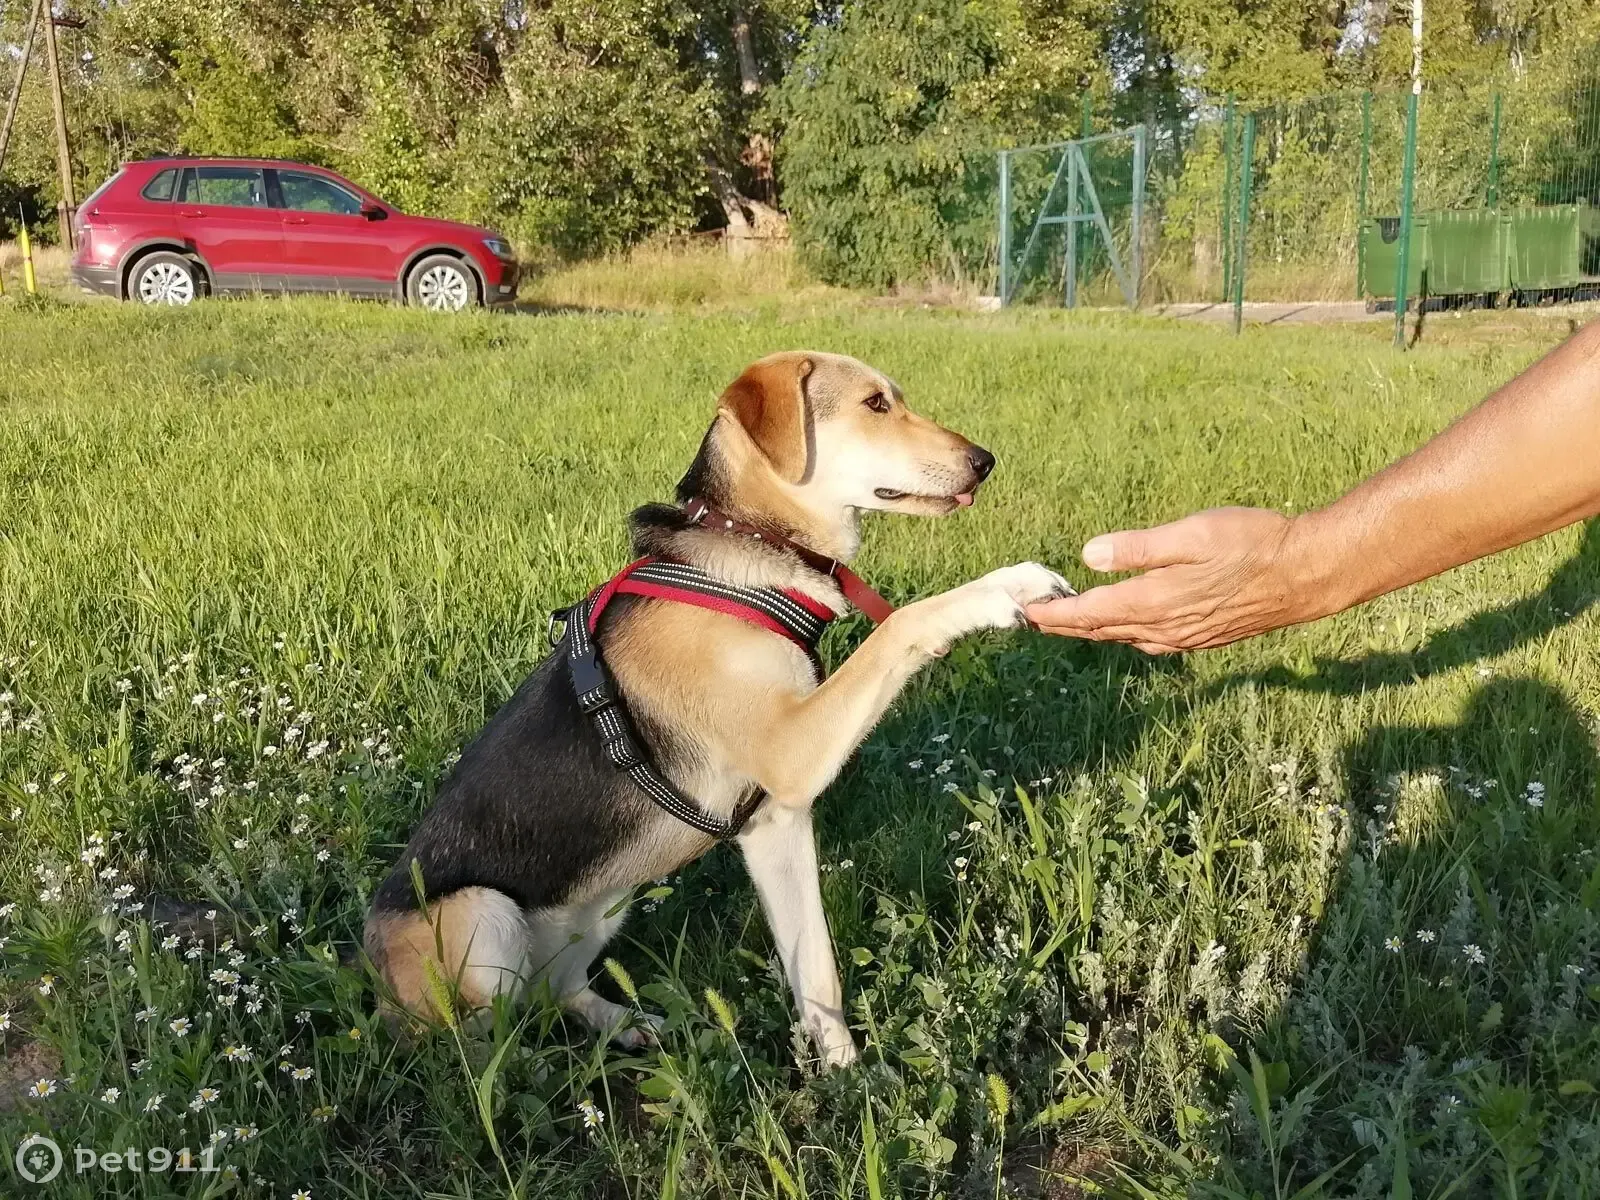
[982, 462]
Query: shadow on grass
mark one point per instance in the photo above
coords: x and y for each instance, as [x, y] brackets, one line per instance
[1438, 989]
[1437, 1025]
[538, 308]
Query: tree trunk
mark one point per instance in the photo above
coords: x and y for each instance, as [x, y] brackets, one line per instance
[738, 233]
[750, 222]
[744, 47]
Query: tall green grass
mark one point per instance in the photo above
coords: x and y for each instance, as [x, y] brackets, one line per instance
[1193, 925]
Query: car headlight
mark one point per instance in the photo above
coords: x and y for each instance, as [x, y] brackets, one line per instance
[499, 247]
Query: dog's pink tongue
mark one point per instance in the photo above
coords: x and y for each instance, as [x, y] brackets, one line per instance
[964, 499]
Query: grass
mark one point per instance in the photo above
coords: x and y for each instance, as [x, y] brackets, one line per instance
[1224, 925]
[50, 265]
[674, 278]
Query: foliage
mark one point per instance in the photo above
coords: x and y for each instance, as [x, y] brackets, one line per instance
[598, 139]
[265, 565]
[583, 128]
[236, 108]
[885, 113]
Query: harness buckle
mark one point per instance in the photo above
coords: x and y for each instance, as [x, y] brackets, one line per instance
[589, 684]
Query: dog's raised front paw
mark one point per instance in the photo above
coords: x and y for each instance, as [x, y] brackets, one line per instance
[1028, 583]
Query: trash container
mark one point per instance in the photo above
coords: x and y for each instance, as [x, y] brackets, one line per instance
[1545, 246]
[1381, 254]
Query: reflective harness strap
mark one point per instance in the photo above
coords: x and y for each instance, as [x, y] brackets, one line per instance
[790, 614]
[856, 590]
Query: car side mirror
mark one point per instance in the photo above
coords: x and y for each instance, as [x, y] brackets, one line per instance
[372, 212]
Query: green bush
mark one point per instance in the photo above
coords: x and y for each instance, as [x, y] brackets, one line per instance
[881, 115]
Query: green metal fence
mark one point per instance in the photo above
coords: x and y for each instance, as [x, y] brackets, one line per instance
[1307, 201]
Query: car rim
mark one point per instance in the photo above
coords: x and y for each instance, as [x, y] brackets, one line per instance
[443, 287]
[166, 283]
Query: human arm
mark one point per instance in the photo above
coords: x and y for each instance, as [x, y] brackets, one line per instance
[1521, 464]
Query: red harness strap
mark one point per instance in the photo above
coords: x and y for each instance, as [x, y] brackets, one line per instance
[856, 590]
[788, 612]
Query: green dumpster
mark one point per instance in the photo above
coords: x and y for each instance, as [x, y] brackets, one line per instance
[1466, 253]
[1381, 254]
[1545, 246]
[1482, 251]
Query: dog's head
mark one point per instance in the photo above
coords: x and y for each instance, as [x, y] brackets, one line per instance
[829, 435]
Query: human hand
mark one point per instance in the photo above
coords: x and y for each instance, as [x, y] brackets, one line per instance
[1209, 579]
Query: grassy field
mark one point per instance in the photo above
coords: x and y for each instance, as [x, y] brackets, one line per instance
[1323, 906]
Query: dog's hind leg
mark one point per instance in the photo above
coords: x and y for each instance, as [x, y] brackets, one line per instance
[566, 942]
[780, 851]
[476, 939]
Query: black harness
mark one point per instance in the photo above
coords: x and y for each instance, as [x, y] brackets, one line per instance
[787, 613]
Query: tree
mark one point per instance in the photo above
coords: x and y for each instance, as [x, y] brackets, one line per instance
[601, 134]
[892, 113]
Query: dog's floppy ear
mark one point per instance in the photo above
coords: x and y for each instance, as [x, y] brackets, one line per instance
[769, 403]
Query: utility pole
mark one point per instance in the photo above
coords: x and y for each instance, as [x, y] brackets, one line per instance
[1408, 184]
[68, 203]
[16, 88]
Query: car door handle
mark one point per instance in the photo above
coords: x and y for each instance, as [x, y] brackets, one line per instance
[191, 212]
[295, 221]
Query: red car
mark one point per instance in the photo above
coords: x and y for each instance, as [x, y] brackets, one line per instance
[167, 230]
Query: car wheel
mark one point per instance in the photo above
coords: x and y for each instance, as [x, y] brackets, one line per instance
[442, 283]
[164, 278]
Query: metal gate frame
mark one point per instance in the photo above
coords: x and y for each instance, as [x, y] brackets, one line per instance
[1078, 177]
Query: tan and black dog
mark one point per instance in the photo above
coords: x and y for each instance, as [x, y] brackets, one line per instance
[535, 839]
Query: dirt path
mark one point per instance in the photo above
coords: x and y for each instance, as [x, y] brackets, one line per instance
[1262, 312]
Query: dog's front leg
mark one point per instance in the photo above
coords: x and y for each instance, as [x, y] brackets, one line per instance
[804, 744]
[780, 851]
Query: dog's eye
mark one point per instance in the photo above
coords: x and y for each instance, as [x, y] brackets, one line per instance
[878, 402]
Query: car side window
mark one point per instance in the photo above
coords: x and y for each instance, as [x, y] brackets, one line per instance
[162, 186]
[236, 187]
[315, 193]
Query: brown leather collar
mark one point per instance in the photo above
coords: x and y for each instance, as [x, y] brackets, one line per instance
[856, 590]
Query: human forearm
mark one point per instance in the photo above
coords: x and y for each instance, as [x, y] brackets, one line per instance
[1523, 463]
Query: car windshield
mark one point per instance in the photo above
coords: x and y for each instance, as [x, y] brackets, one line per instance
[94, 196]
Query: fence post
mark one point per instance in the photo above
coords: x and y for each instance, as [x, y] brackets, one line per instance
[1246, 155]
[1074, 232]
[1071, 297]
[1004, 285]
[1493, 195]
[1227, 202]
[1408, 180]
[1135, 250]
[1361, 195]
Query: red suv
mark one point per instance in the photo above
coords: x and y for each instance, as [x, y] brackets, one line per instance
[167, 230]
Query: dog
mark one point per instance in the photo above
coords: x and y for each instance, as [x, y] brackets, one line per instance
[536, 840]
